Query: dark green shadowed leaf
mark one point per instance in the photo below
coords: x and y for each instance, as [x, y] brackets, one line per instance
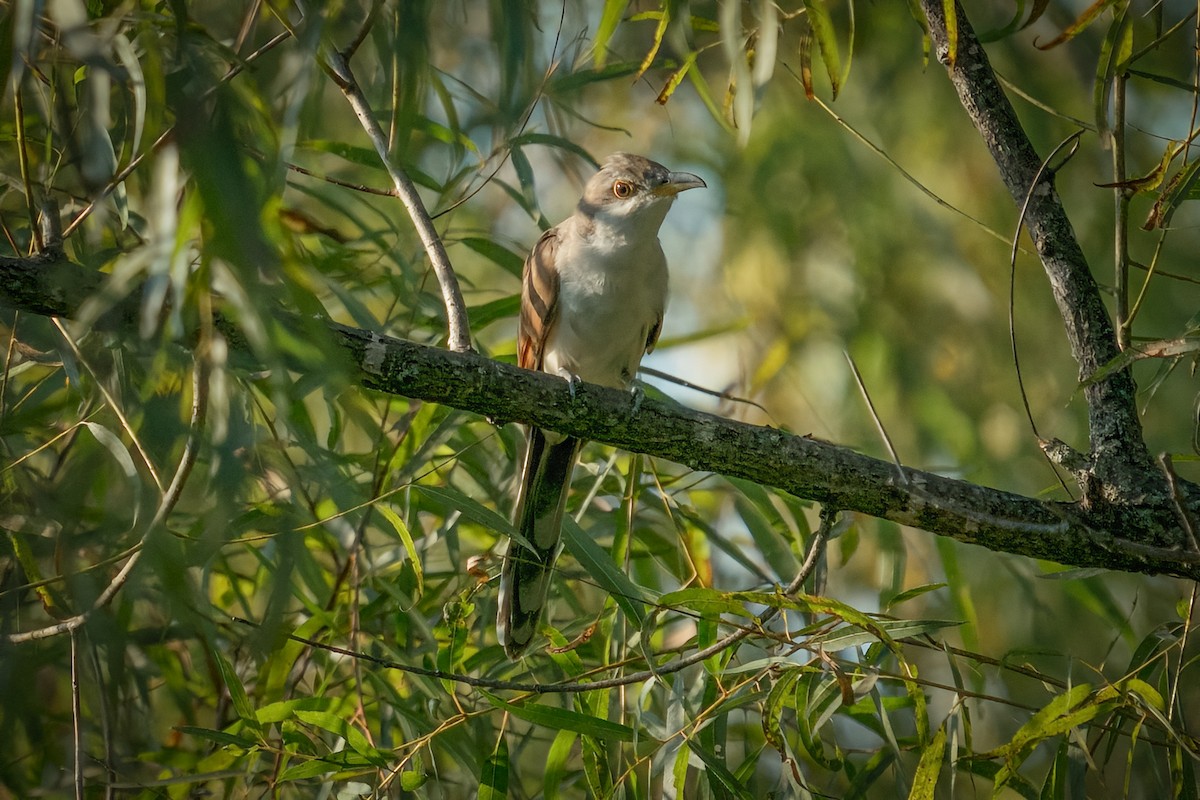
[493, 779]
[563, 719]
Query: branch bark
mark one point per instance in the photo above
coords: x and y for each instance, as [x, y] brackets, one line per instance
[1119, 465]
[836, 477]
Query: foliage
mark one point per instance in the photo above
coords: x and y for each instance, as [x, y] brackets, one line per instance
[308, 606]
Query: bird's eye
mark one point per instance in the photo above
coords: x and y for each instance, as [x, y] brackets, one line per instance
[622, 189]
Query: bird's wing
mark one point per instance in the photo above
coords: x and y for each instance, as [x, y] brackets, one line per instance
[539, 300]
[655, 330]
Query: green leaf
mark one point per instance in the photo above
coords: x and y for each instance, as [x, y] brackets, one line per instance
[1065, 712]
[609, 17]
[950, 11]
[929, 767]
[220, 737]
[810, 604]
[680, 768]
[496, 253]
[781, 697]
[411, 780]
[483, 315]
[562, 719]
[846, 637]
[826, 37]
[493, 778]
[120, 453]
[1114, 56]
[410, 547]
[367, 157]
[705, 601]
[237, 692]
[556, 763]
[716, 769]
[470, 508]
[599, 565]
[328, 721]
[560, 142]
[767, 528]
[664, 19]
[909, 594]
[286, 709]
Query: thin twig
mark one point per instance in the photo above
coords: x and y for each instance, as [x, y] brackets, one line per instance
[458, 330]
[666, 376]
[365, 28]
[358, 187]
[883, 434]
[1183, 638]
[76, 714]
[1121, 197]
[1186, 520]
[1073, 142]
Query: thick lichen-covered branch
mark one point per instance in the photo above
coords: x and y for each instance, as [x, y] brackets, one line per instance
[1109, 537]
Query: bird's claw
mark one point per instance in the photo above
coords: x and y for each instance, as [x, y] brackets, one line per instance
[638, 394]
[573, 381]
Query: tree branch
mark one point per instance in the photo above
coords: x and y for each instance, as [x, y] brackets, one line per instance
[458, 330]
[1120, 466]
[1112, 537]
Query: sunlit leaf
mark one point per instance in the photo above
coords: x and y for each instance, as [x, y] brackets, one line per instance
[609, 17]
[1081, 23]
[826, 39]
[925, 779]
[410, 548]
[664, 19]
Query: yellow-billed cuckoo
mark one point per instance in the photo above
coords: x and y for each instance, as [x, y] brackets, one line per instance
[592, 298]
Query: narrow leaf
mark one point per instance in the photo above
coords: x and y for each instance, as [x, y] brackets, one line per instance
[929, 767]
[237, 692]
[627, 594]
[1075, 28]
[563, 719]
[406, 539]
[826, 38]
[493, 778]
[609, 17]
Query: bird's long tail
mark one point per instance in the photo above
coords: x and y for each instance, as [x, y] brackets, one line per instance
[525, 576]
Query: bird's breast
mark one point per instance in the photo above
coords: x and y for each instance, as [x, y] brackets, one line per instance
[607, 304]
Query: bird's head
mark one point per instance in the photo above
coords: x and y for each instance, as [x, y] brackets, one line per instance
[632, 190]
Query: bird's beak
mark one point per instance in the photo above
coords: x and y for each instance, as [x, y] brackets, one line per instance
[680, 182]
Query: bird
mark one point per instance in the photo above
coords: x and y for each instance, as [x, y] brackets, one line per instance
[593, 295]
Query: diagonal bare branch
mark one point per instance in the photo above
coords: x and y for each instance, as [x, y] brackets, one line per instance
[1120, 464]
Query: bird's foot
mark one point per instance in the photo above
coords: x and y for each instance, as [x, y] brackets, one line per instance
[639, 394]
[572, 380]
